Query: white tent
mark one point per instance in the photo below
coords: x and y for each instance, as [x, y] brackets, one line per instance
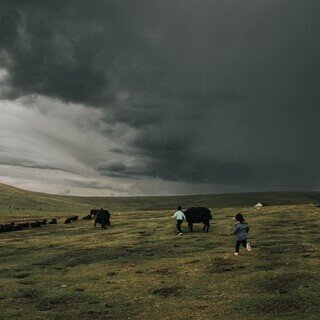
[258, 205]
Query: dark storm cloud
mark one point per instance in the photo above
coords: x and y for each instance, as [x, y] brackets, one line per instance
[98, 185]
[28, 164]
[221, 92]
[113, 168]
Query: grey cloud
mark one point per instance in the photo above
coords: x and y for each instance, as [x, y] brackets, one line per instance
[117, 167]
[30, 164]
[95, 184]
[117, 150]
[216, 92]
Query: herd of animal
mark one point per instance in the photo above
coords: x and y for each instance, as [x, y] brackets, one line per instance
[13, 226]
[102, 217]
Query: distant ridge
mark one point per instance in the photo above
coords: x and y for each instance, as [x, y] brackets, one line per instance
[14, 197]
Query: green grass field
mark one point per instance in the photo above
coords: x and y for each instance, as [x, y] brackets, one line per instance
[141, 269]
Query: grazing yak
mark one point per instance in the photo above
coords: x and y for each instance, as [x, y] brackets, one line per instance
[36, 224]
[7, 227]
[71, 219]
[24, 225]
[53, 221]
[21, 226]
[18, 227]
[43, 222]
[93, 212]
[102, 217]
[198, 215]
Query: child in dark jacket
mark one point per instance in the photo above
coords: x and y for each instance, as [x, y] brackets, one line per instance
[240, 231]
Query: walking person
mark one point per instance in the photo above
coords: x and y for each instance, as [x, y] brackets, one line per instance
[179, 216]
[241, 231]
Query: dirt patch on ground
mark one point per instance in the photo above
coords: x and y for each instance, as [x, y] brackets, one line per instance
[139, 271]
[284, 249]
[221, 265]
[94, 315]
[282, 283]
[192, 262]
[147, 233]
[22, 275]
[162, 272]
[27, 295]
[26, 282]
[280, 305]
[268, 266]
[168, 291]
[47, 304]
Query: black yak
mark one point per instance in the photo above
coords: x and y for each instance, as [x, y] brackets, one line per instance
[21, 226]
[103, 218]
[71, 219]
[7, 227]
[93, 212]
[53, 221]
[36, 224]
[14, 227]
[18, 227]
[198, 215]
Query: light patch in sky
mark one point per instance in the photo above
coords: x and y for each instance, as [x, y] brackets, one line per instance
[55, 146]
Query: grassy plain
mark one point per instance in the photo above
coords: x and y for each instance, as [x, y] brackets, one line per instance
[141, 269]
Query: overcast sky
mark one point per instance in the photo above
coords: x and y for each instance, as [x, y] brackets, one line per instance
[159, 97]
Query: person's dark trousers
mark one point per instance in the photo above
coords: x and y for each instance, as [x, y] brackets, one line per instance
[239, 242]
[179, 225]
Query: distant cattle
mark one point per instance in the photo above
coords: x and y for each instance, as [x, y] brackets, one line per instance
[198, 215]
[103, 217]
[36, 224]
[26, 225]
[71, 219]
[13, 226]
[7, 227]
[53, 221]
[87, 217]
[93, 212]
[21, 226]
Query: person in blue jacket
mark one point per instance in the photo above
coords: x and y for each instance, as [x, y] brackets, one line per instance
[241, 231]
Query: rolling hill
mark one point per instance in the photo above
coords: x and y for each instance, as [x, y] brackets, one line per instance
[18, 204]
